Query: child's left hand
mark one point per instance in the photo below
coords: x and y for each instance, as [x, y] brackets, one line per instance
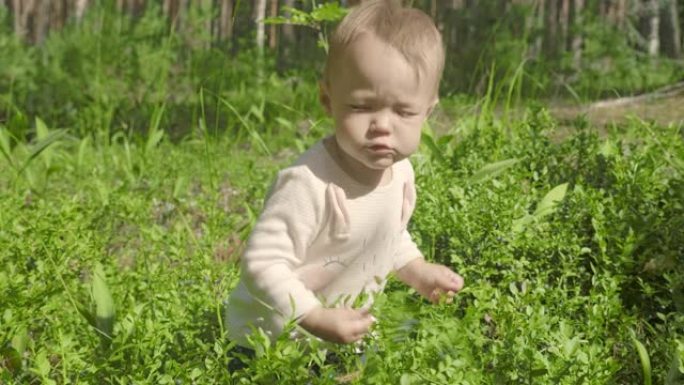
[431, 280]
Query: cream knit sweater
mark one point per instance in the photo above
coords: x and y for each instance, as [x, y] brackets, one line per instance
[321, 240]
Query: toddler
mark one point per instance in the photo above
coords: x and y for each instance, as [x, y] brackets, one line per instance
[334, 223]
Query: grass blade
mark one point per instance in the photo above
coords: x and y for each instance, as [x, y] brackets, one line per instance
[434, 149]
[492, 170]
[5, 145]
[155, 134]
[545, 207]
[252, 132]
[42, 130]
[41, 146]
[83, 147]
[104, 304]
[676, 373]
[548, 204]
[643, 357]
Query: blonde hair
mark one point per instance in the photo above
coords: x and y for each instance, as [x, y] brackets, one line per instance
[408, 30]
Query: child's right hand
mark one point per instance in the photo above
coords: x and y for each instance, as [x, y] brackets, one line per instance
[340, 325]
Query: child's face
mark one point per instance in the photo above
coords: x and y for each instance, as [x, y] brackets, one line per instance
[377, 102]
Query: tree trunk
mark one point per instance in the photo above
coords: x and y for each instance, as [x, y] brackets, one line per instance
[564, 24]
[551, 29]
[259, 14]
[20, 17]
[80, 8]
[288, 42]
[288, 29]
[59, 14]
[653, 28]
[578, 39]
[226, 20]
[273, 30]
[539, 13]
[670, 29]
[41, 20]
[205, 7]
[172, 10]
[457, 4]
[166, 6]
[621, 14]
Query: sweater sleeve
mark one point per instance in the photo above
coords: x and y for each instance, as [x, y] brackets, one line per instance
[407, 250]
[287, 225]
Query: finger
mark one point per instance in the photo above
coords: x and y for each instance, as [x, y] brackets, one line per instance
[459, 282]
[450, 281]
[358, 337]
[439, 295]
[363, 312]
[363, 325]
[435, 295]
[366, 316]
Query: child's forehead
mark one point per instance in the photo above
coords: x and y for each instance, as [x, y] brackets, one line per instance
[370, 52]
[369, 49]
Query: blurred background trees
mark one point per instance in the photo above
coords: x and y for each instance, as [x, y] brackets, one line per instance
[565, 37]
[116, 62]
[554, 23]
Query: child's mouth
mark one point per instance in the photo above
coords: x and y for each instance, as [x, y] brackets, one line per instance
[380, 148]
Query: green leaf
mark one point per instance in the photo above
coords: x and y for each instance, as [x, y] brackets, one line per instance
[195, 374]
[405, 379]
[250, 130]
[643, 357]
[277, 20]
[180, 187]
[41, 364]
[434, 149]
[11, 358]
[609, 149]
[545, 207]
[104, 304]
[42, 130]
[492, 170]
[444, 140]
[39, 147]
[20, 340]
[82, 148]
[296, 17]
[155, 133]
[520, 223]
[548, 204]
[89, 317]
[5, 145]
[676, 373]
[570, 346]
[329, 12]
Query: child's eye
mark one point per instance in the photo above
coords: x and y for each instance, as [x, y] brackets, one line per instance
[406, 113]
[359, 107]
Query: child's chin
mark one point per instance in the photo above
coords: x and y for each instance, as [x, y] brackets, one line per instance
[380, 164]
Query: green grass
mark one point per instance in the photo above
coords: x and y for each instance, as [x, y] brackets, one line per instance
[585, 293]
[133, 166]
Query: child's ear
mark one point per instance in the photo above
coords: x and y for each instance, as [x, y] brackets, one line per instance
[324, 96]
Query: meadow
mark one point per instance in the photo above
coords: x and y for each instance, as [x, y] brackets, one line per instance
[129, 183]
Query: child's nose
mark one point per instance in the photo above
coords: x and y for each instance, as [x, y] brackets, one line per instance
[380, 124]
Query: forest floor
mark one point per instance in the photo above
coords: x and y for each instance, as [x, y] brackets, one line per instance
[663, 111]
[659, 109]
